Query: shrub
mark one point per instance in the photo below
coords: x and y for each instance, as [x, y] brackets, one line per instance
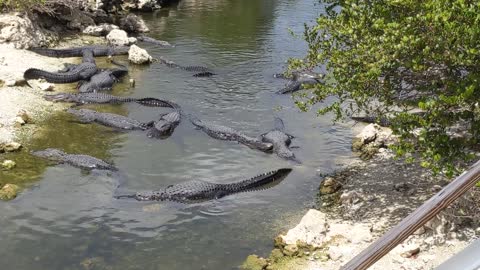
[376, 53]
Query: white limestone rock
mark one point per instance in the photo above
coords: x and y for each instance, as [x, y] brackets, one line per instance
[20, 32]
[138, 55]
[311, 230]
[118, 37]
[99, 30]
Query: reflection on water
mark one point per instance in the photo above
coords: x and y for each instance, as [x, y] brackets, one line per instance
[68, 219]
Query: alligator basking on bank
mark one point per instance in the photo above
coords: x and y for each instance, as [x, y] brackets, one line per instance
[198, 191]
[165, 126]
[229, 134]
[103, 80]
[199, 71]
[72, 73]
[78, 51]
[298, 80]
[280, 140]
[109, 119]
[80, 161]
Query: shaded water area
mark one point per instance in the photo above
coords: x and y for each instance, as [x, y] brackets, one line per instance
[67, 219]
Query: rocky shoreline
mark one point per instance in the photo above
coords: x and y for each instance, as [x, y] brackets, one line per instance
[359, 204]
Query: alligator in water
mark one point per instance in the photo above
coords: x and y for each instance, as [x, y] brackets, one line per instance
[198, 191]
[80, 161]
[72, 73]
[76, 52]
[280, 140]
[103, 80]
[154, 41]
[382, 120]
[229, 134]
[102, 98]
[200, 71]
[109, 119]
[297, 80]
[165, 126]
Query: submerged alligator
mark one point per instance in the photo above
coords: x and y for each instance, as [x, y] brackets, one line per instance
[109, 119]
[165, 125]
[154, 41]
[80, 161]
[78, 51]
[200, 71]
[280, 140]
[229, 134]
[297, 80]
[198, 191]
[71, 73]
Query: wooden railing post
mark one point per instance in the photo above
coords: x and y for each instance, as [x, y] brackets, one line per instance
[415, 220]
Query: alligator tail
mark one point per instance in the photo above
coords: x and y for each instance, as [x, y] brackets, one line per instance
[33, 73]
[57, 52]
[259, 182]
[155, 102]
[129, 196]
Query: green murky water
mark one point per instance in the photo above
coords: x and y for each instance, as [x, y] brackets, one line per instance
[67, 219]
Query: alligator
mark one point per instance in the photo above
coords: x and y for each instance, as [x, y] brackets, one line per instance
[200, 71]
[72, 73]
[298, 80]
[76, 52]
[80, 161]
[109, 119]
[103, 80]
[229, 134]
[89, 98]
[280, 140]
[165, 126]
[102, 98]
[154, 41]
[196, 191]
[382, 120]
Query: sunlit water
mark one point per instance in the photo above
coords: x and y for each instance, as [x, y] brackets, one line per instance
[67, 219]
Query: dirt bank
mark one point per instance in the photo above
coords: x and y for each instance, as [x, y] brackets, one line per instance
[358, 205]
[16, 95]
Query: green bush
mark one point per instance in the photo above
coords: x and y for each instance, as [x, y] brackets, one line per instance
[375, 52]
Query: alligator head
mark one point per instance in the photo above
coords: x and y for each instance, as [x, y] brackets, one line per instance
[306, 74]
[49, 153]
[66, 97]
[262, 146]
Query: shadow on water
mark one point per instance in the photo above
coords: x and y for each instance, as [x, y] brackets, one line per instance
[68, 219]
